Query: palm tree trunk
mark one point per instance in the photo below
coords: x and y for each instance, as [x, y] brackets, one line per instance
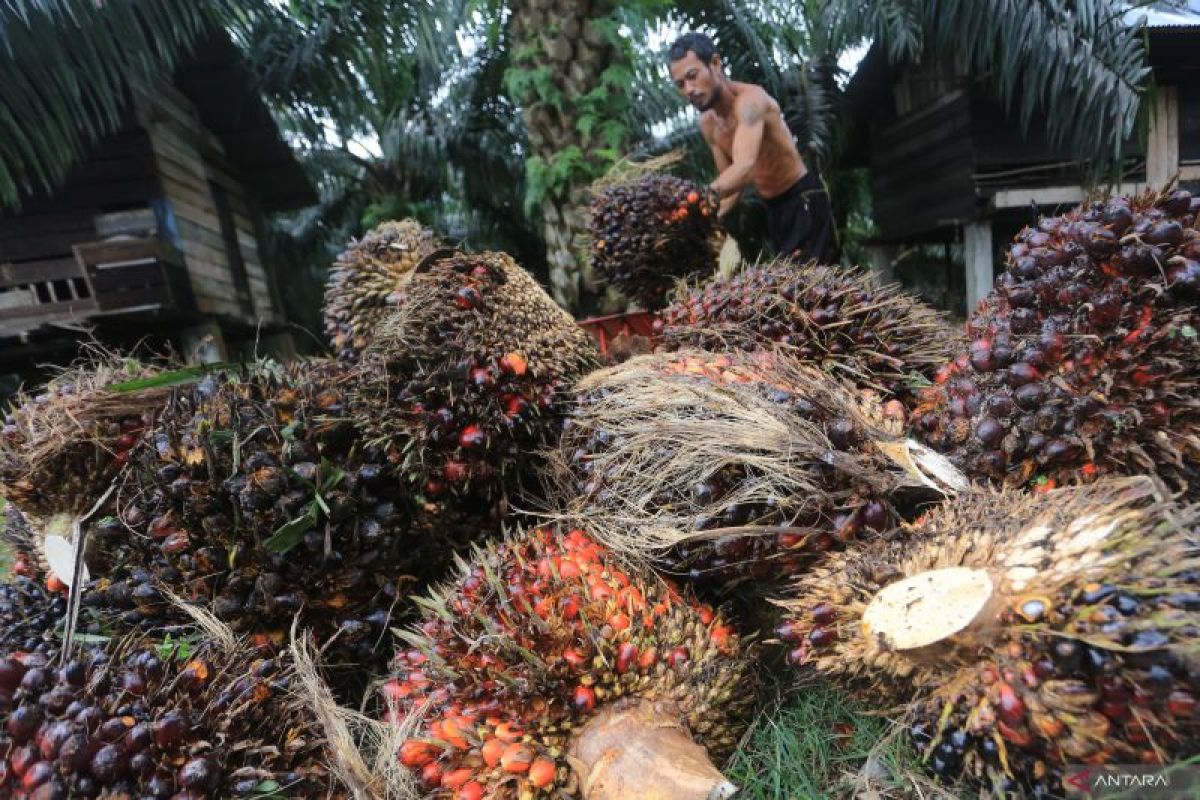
[566, 41]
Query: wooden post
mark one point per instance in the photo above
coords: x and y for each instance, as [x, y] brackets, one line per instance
[1162, 150]
[977, 253]
[883, 258]
[204, 344]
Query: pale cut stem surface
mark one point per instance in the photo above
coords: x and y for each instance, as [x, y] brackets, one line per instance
[929, 607]
[640, 750]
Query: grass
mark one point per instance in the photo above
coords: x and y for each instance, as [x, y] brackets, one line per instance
[819, 743]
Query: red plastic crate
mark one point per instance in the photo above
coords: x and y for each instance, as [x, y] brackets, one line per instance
[605, 329]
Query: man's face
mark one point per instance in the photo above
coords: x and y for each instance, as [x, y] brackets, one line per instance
[696, 81]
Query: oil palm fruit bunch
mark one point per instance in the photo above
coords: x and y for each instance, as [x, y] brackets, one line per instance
[1028, 630]
[1083, 360]
[729, 467]
[549, 668]
[21, 544]
[60, 448]
[364, 281]
[471, 374]
[29, 614]
[136, 719]
[256, 496]
[647, 233]
[845, 320]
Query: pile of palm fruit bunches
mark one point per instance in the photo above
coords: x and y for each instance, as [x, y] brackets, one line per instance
[544, 575]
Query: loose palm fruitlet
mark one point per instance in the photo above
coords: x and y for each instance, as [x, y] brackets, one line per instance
[257, 497]
[1034, 630]
[548, 668]
[470, 375]
[648, 233]
[730, 467]
[138, 720]
[1083, 361]
[365, 280]
[844, 320]
[60, 448]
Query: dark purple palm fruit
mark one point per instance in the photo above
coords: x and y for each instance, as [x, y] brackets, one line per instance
[1083, 361]
[136, 719]
[648, 233]
[843, 320]
[260, 497]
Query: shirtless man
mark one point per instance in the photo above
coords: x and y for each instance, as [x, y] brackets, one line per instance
[752, 146]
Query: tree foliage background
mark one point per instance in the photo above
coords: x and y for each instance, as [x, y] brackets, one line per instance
[464, 114]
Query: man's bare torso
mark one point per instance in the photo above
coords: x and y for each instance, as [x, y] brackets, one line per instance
[779, 164]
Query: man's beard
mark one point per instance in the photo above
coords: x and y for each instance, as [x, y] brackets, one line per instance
[712, 100]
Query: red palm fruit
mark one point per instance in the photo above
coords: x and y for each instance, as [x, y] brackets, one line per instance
[549, 685]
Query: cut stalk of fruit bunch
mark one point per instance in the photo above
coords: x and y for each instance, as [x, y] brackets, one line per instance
[841, 319]
[365, 280]
[649, 232]
[469, 375]
[1082, 361]
[1028, 631]
[134, 718]
[729, 467]
[549, 668]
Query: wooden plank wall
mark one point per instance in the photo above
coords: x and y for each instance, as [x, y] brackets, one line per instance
[188, 158]
[921, 168]
[119, 174]
[1189, 122]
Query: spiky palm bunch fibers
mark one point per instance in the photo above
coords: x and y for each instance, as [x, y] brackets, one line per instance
[649, 232]
[470, 373]
[842, 319]
[136, 719]
[1083, 361]
[60, 448]
[1029, 631]
[365, 280]
[548, 668]
[727, 467]
[256, 495]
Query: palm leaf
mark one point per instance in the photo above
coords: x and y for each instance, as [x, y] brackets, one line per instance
[67, 65]
[1076, 62]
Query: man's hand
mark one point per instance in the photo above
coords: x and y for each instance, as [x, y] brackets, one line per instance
[727, 204]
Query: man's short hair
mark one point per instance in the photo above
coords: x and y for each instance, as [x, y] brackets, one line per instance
[698, 43]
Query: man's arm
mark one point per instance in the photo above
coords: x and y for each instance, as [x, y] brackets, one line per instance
[747, 141]
[722, 162]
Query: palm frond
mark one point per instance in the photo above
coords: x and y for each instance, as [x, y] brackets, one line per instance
[67, 65]
[1075, 61]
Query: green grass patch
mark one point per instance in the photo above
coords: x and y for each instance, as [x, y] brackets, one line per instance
[820, 743]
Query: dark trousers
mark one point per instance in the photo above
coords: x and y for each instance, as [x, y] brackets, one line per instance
[800, 221]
